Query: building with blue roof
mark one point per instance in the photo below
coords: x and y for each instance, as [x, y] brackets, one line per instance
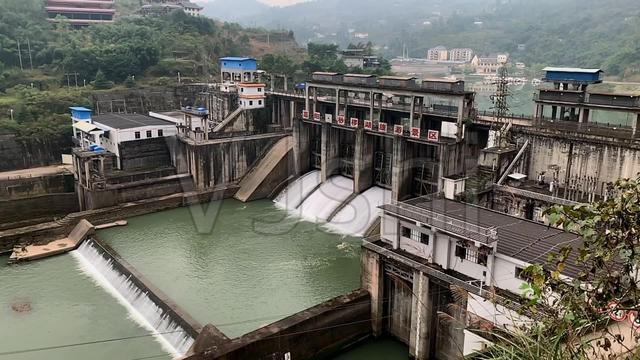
[238, 69]
[573, 98]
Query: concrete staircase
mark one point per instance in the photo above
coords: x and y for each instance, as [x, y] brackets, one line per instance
[270, 171]
[228, 120]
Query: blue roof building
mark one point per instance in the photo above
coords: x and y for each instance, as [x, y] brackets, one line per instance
[238, 69]
[572, 75]
[80, 113]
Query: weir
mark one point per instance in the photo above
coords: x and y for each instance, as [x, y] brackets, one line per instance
[361, 213]
[331, 194]
[333, 202]
[175, 334]
[292, 196]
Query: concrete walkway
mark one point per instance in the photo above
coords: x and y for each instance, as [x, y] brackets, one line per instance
[36, 172]
[34, 252]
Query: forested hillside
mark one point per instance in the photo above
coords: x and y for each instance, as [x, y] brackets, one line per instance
[133, 51]
[590, 33]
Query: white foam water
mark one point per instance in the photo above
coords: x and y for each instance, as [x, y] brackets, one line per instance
[139, 305]
[360, 214]
[331, 194]
[291, 197]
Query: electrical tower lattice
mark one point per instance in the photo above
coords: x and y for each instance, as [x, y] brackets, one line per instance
[502, 122]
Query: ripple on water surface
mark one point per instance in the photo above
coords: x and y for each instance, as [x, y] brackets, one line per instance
[50, 302]
[255, 266]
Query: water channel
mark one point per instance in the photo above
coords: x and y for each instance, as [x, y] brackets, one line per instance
[238, 266]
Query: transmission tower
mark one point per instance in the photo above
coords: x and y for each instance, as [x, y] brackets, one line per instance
[502, 121]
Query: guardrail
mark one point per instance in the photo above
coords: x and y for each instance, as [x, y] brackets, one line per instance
[444, 222]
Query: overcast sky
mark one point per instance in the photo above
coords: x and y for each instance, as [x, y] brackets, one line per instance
[268, 2]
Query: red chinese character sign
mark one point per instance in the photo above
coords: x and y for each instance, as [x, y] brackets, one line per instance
[398, 129]
[316, 116]
[354, 122]
[415, 132]
[340, 119]
[368, 124]
[433, 135]
[305, 115]
[382, 127]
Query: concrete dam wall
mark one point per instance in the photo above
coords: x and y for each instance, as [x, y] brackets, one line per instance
[605, 161]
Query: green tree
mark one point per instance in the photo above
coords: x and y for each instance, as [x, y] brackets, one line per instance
[572, 315]
[101, 82]
[130, 82]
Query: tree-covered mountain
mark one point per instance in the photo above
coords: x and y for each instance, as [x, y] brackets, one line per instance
[589, 33]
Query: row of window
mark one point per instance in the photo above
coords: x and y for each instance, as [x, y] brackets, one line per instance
[463, 252]
[415, 235]
[242, 89]
[149, 134]
[251, 102]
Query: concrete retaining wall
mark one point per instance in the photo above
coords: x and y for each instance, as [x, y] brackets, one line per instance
[317, 331]
[25, 187]
[37, 209]
[17, 153]
[45, 232]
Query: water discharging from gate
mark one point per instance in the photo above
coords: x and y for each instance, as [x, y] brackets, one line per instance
[359, 214]
[308, 198]
[141, 308]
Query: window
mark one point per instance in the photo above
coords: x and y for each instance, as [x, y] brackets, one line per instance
[424, 238]
[406, 232]
[259, 89]
[250, 102]
[519, 273]
[471, 253]
[241, 89]
[160, 134]
[259, 102]
[461, 251]
[149, 134]
[137, 134]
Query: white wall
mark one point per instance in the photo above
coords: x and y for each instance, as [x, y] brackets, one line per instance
[474, 343]
[389, 229]
[496, 313]
[129, 134]
[504, 274]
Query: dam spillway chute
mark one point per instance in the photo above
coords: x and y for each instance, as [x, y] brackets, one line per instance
[360, 213]
[173, 338]
[291, 197]
[319, 206]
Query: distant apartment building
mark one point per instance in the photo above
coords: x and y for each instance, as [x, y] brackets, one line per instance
[438, 53]
[160, 7]
[461, 55]
[81, 13]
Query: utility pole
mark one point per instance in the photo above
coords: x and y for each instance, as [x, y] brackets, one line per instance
[30, 58]
[20, 55]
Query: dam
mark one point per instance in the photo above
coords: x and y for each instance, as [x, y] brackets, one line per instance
[333, 211]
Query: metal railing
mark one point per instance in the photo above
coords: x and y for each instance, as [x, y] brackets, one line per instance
[444, 222]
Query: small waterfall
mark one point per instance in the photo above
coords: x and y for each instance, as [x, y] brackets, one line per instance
[358, 216]
[140, 306]
[291, 197]
[331, 194]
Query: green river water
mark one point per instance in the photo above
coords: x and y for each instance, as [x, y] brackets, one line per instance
[249, 267]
